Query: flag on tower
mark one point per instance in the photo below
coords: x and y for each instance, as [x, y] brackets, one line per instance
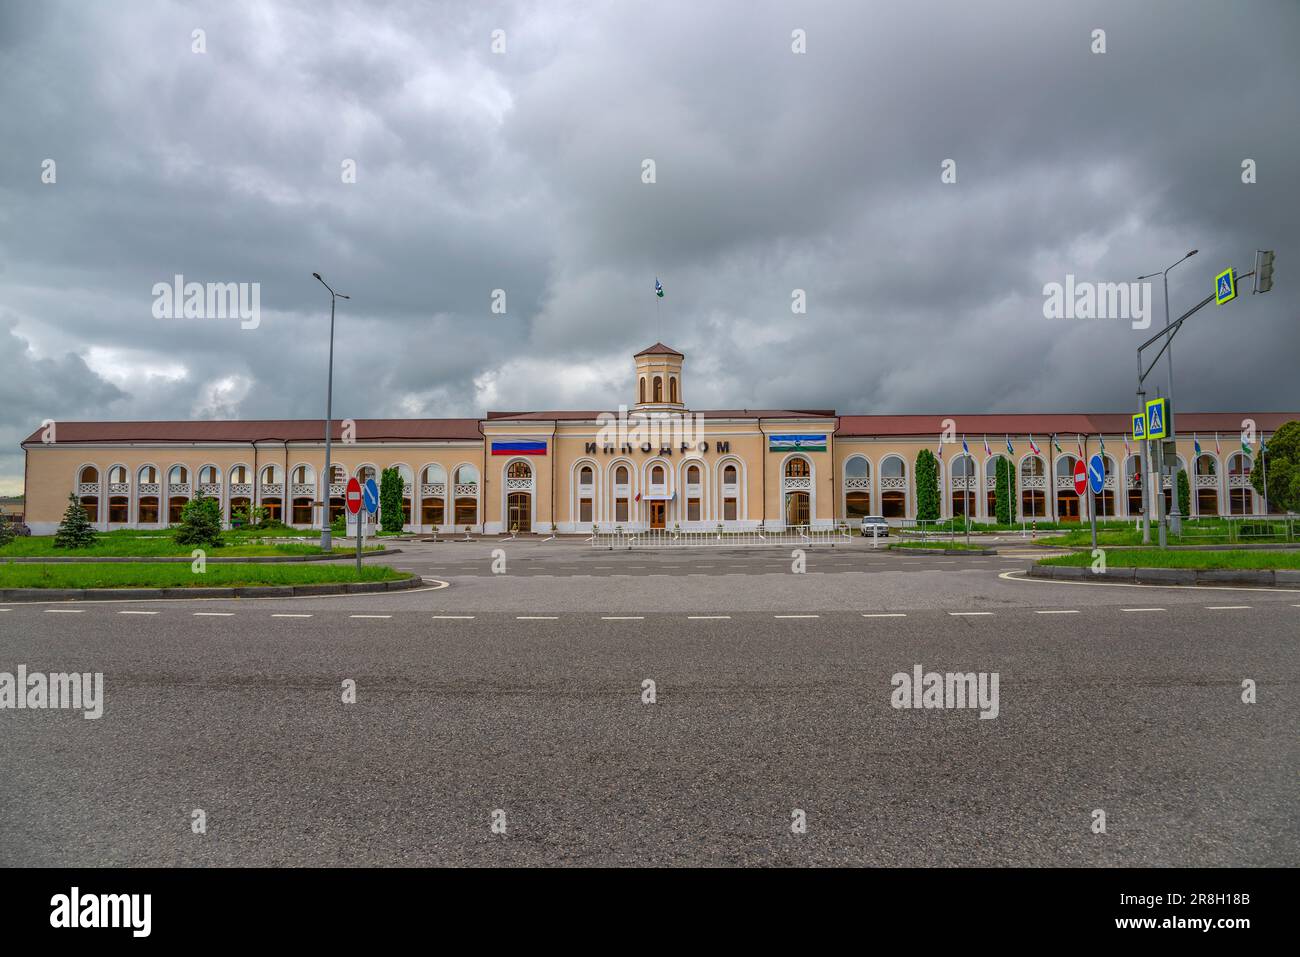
[1079, 439]
[1217, 450]
[1196, 445]
[1033, 446]
[940, 452]
[1101, 439]
[964, 447]
[1056, 443]
[1010, 450]
[659, 288]
[987, 450]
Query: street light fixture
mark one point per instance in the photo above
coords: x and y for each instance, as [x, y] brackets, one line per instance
[326, 542]
[1157, 491]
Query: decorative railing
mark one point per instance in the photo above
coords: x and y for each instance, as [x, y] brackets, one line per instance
[798, 484]
[300, 489]
[178, 489]
[337, 489]
[433, 489]
[1033, 482]
[1239, 481]
[586, 491]
[466, 488]
[150, 488]
[276, 489]
[990, 481]
[893, 482]
[518, 485]
[964, 484]
[857, 485]
[799, 535]
[119, 488]
[241, 489]
[1207, 481]
[210, 489]
[87, 488]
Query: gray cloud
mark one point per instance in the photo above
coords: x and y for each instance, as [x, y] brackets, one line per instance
[521, 172]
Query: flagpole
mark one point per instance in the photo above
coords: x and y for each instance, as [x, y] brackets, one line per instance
[1263, 464]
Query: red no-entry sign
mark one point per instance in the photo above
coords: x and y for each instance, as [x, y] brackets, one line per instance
[354, 495]
[1080, 479]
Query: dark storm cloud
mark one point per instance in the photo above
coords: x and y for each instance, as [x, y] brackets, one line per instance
[521, 172]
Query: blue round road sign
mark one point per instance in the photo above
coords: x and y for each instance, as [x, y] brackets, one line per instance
[1096, 473]
[370, 496]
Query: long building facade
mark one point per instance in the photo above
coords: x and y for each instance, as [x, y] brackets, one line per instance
[652, 463]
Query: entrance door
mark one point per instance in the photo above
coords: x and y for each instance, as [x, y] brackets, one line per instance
[519, 512]
[657, 511]
[1068, 506]
[796, 508]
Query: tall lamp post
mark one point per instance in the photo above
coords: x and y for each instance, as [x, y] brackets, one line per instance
[326, 542]
[1158, 487]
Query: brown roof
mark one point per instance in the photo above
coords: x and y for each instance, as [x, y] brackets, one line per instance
[1065, 423]
[659, 349]
[569, 414]
[260, 430]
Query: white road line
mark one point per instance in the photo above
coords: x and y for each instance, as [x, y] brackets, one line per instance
[886, 614]
[1224, 607]
[370, 616]
[1055, 611]
[137, 612]
[1141, 609]
[796, 616]
[289, 616]
[213, 614]
[536, 617]
[622, 617]
[64, 611]
[963, 614]
[452, 617]
[705, 617]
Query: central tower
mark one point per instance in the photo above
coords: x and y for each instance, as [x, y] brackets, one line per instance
[659, 378]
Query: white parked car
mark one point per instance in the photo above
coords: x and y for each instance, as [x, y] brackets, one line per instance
[874, 526]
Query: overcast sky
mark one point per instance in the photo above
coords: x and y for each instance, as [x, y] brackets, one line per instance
[522, 171]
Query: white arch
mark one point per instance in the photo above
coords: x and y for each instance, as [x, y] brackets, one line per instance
[575, 496]
[844, 482]
[973, 496]
[633, 486]
[906, 477]
[706, 498]
[742, 486]
[505, 492]
[812, 484]
[478, 494]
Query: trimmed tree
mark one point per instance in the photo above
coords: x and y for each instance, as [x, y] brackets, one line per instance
[1004, 501]
[391, 488]
[1282, 463]
[75, 531]
[7, 531]
[1184, 494]
[927, 487]
[200, 523]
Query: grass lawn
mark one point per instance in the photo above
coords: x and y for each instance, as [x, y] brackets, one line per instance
[1210, 534]
[1154, 558]
[145, 575]
[150, 545]
[946, 545]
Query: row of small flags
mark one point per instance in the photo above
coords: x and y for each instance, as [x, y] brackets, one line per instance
[1033, 446]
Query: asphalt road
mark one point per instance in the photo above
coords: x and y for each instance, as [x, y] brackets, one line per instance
[522, 692]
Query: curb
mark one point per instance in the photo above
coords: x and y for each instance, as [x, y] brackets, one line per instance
[179, 559]
[904, 550]
[1267, 577]
[1246, 547]
[15, 595]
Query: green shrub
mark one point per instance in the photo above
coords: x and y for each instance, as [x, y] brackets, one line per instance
[200, 523]
[75, 530]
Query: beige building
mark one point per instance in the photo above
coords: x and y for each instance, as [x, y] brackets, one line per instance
[654, 463]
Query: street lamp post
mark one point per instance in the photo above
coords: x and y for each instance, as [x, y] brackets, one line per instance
[326, 542]
[1175, 518]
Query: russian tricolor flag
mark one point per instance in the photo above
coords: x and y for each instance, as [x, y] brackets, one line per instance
[518, 448]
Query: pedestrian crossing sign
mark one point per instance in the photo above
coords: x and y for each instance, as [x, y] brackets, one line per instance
[1225, 286]
[1157, 418]
[1140, 426]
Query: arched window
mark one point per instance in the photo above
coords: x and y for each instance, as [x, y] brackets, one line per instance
[893, 467]
[89, 475]
[466, 475]
[271, 475]
[208, 475]
[1065, 467]
[857, 468]
[963, 466]
[798, 468]
[641, 392]
[519, 470]
[304, 475]
[1032, 467]
[659, 389]
[239, 475]
[434, 474]
[657, 475]
[620, 475]
[338, 474]
[366, 473]
[585, 475]
[148, 474]
[672, 388]
[179, 475]
[1205, 465]
[729, 474]
[693, 475]
[117, 476]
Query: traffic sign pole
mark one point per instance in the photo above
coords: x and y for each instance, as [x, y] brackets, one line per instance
[360, 532]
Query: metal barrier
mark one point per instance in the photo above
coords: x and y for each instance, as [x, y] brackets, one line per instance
[800, 536]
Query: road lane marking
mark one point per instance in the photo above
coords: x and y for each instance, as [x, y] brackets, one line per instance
[1141, 609]
[289, 616]
[64, 611]
[967, 614]
[213, 614]
[796, 616]
[705, 617]
[622, 617]
[886, 614]
[1224, 607]
[370, 616]
[536, 617]
[137, 612]
[452, 617]
[1056, 611]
